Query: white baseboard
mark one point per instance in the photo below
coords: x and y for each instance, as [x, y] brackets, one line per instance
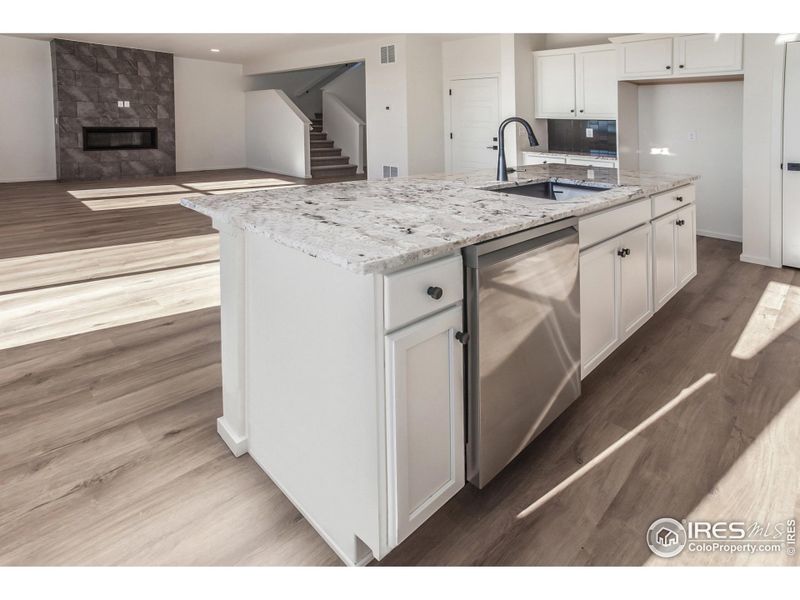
[276, 171]
[209, 168]
[720, 236]
[27, 179]
[759, 260]
[236, 442]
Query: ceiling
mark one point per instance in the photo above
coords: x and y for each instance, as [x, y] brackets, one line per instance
[234, 47]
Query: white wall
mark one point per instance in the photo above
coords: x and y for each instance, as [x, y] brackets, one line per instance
[425, 119]
[761, 152]
[668, 113]
[27, 119]
[277, 134]
[350, 88]
[209, 115]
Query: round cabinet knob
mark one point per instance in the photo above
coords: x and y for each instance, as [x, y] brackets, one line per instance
[435, 292]
[581, 110]
[572, 110]
[680, 222]
[668, 67]
[680, 66]
[679, 198]
[463, 337]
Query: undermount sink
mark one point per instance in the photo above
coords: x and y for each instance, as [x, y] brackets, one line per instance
[550, 191]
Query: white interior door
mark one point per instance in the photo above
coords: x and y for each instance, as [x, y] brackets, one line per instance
[791, 157]
[474, 119]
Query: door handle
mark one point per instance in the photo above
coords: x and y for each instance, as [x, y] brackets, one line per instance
[793, 166]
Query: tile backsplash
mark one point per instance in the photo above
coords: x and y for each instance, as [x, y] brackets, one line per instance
[569, 135]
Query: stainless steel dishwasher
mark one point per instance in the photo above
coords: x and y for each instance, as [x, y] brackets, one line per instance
[523, 353]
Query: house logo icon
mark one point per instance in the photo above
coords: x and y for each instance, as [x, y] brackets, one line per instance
[666, 537]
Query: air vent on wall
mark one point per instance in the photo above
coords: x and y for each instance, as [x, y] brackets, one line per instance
[389, 171]
[387, 54]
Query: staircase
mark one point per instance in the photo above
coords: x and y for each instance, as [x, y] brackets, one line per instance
[327, 161]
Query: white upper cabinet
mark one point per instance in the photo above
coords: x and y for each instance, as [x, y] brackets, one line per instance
[555, 85]
[708, 53]
[596, 84]
[576, 83]
[646, 58]
[687, 55]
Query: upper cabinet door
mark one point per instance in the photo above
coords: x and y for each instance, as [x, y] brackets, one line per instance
[597, 84]
[554, 84]
[645, 58]
[708, 53]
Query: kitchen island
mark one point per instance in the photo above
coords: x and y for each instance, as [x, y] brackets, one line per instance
[342, 325]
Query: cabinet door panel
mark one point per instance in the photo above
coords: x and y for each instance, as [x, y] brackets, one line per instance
[554, 82]
[708, 53]
[646, 58]
[665, 279]
[685, 246]
[599, 331]
[597, 84]
[425, 420]
[635, 295]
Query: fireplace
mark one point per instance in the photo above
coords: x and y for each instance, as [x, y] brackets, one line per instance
[120, 138]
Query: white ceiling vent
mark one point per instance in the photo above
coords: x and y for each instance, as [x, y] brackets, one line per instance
[387, 54]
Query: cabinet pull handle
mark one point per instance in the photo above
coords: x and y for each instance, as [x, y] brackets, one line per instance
[623, 252]
[572, 110]
[679, 198]
[668, 67]
[491, 147]
[581, 110]
[680, 66]
[435, 292]
[463, 337]
[680, 222]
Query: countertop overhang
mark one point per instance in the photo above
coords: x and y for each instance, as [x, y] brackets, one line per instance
[382, 226]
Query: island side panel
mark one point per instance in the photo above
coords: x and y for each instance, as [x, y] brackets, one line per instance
[232, 425]
[314, 403]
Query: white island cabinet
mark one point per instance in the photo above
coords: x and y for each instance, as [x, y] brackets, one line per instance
[343, 341]
[365, 474]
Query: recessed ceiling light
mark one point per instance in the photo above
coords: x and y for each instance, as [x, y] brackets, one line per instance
[215, 49]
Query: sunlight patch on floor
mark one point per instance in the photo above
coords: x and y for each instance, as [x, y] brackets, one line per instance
[137, 201]
[240, 183]
[139, 190]
[760, 486]
[602, 456]
[25, 272]
[56, 312]
[768, 320]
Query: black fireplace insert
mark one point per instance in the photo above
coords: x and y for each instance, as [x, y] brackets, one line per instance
[120, 138]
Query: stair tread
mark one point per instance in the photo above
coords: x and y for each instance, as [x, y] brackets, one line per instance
[332, 167]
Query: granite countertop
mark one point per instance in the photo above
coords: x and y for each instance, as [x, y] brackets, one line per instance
[381, 226]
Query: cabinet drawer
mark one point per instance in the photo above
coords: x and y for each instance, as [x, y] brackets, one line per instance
[530, 158]
[406, 293]
[596, 228]
[673, 199]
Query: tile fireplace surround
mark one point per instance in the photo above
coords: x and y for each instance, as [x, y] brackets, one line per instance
[89, 82]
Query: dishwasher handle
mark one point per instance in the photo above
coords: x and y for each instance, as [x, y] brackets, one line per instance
[541, 244]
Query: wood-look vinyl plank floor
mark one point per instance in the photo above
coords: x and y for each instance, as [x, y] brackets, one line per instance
[110, 388]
